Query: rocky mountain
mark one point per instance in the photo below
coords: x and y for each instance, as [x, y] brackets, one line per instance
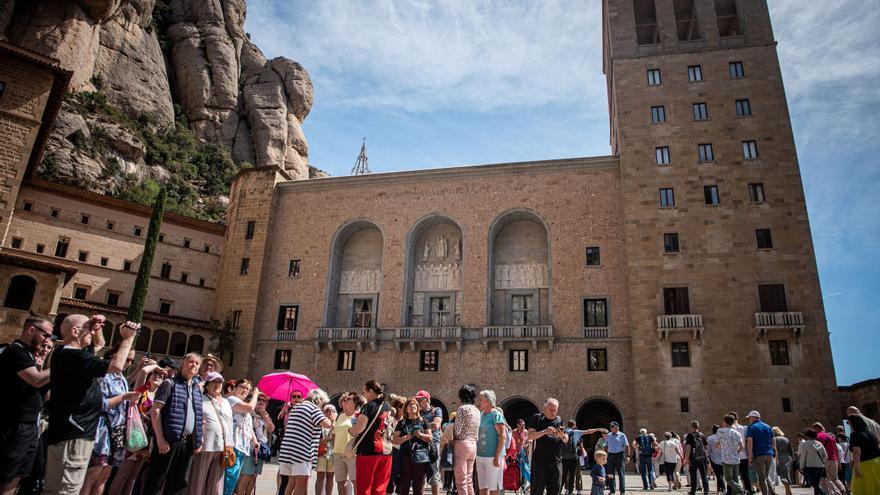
[166, 92]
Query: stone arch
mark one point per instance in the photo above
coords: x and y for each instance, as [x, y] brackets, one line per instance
[597, 412]
[20, 292]
[159, 343]
[435, 402]
[355, 274]
[177, 346]
[518, 407]
[196, 343]
[518, 249]
[438, 276]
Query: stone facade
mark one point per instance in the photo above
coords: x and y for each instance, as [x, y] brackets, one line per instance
[864, 395]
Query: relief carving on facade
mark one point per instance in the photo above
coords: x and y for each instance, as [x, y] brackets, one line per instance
[523, 276]
[418, 306]
[359, 281]
[437, 277]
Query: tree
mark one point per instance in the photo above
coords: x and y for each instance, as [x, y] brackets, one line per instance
[142, 284]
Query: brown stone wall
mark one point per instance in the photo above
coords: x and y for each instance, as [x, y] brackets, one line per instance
[864, 395]
[45, 300]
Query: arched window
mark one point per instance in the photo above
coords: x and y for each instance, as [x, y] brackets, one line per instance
[142, 343]
[196, 344]
[432, 288]
[355, 275]
[159, 345]
[20, 294]
[178, 344]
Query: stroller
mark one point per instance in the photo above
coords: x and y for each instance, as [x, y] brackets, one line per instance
[517, 471]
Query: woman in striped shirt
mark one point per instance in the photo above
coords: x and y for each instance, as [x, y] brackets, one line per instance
[299, 448]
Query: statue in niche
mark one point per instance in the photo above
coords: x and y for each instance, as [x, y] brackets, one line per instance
[427, 251]
[456, 249]
[442, 248]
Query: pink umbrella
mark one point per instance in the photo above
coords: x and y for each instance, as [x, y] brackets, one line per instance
[280, 385]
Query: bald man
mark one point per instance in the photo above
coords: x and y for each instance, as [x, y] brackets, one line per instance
[76, 402]
[873, 427]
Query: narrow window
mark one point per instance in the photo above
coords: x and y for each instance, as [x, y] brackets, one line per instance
[138, 231]
[236, 318]
[201, 282]
[662, 155]
[764, 239]
[184, 277]
[287, 317]
[61, 247]
[695, 73]
[161, 237]
[110, 225]
[684, 404]
[251, 227]
[245, 265]
[750, 150]
[428, 360]
[676, 301]
[80, 292]
[186, 243]
[293, 268]
[595, 313]
[54, 212]
[653, 77]
[523, 310]
[41, 248]
[282, 359]
[646, 22]
[756, 192]
[126, 266]
[670, 243]
[345, 361]
[83, 256]
[786, 404]
[164, 307]
[207, 248]
[772, 298]
[658, 115]
[84, 219]
[28, 206]
[686, 20]
[112, 298]
[700, 111]
[743, 108]
[736, 70]
[779, 353]
[727, 18]
[105, 261]
[16, 242]
[681, 355]
[705, 152]
[667, 198]
[166, 271]
[593, 258]
[519, 360]
[710, 194]
[441, 312]
[597, 359]
[363, 313]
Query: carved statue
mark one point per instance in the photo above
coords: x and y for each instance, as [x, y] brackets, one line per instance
[427, 252]
[456, 246]
[442, 248]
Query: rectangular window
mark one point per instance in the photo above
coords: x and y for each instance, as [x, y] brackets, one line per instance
[681, 355]
[756, 192]
[2, 87]
[28, 206]
[54, 212]
[293, 268]
[786, 404]
[686, 20]
[138, 231]
[750, 150]
[670, 243]
[695, 73]
[346, 361]
[597, 359]
[83, 256]
[667, 197]
[593, 258]
[245, 266]
[662, 155]
[61, 247]
[282, 359]
[676, 301]
[105, 261]
[441, 314]
[653, 77]
[16, 242]
[658, 115]
[646, 22]
[201, 282]
[595, 312]
[523, 310]
[287, 318]
[763, 239]
[184, 277]
[164, 307]
[207, 248]
[126, 266]
[710, 195]
[706, 153]
[363, 313]
[519, 360]
[727, 18]
[80, 292]
[236, 318]
[110, 225]
[251, 226]
[428, 360]
[84, 219]
[41, 248]
[772, 298]
[743, 108]
[166, 271]
[736, 70]
[112, 299]
[700, 111]
[779, 353]
[684, 404]
[186, 243]
[161, 237]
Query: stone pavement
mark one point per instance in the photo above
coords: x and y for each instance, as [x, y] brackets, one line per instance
[266, 485]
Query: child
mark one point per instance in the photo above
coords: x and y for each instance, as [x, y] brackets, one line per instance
[598, 472]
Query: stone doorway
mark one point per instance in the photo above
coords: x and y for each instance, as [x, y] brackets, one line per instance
[596, 413]
[516, 408]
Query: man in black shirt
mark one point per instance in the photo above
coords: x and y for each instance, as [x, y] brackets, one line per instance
[548, 432]
[76, 403]
[19, 428]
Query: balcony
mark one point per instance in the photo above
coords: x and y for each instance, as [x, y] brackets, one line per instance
[518, 333]
[668, 324]
[596, 333]
[784, 320]
[359, 336]
[285, 335]
[414, 335]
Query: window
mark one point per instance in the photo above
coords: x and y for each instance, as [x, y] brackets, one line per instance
[2, 87]
[681, 355]
[658, 115]
[772, 298]
[83, 256]
[743, 108]
[786, 404]
[184, 277]
[126, 266]
[441, 314]
[186, 243]
[41, 248]
[20, 293]
[249, 232]
[105, 261]
[110, 225]
[164, 307]
[346, 361]
[763, 239]
[593, 258]
[54, 212]
[756, 192]
[662, 155]
[166, 270]
[736, 70]
[282, 359]
[706, 153]
[695, 73]
[727, 18]
[207, 248]
[684, 404]
[676, 301]
[653, 77]
[201, 282]
[519, 360]
[363, 313]
[16, 242]
[750, 150]
[595, 312]
[245, 265]
[293, 268]
[28, 206]
[161, 237]
[670, 243]
[84, 219]
[646, 22]
[523, 310]
[139, 231]
[700, 111]
[710, 194]
[667, 198]
[112, 298]
[428, 360]
[287, 318]
[779, 353]
[236, 318]
[80, 292]
[61, 247]
[597, 360]
[686, 24]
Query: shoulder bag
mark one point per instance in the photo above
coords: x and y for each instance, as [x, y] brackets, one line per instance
[352, 445]
[228, 459]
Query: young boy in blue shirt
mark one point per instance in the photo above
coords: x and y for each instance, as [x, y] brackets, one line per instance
[598, 473]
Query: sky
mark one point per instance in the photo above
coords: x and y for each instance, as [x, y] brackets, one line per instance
[459, 82]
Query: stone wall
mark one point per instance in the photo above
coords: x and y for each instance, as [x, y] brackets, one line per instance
[864, 395]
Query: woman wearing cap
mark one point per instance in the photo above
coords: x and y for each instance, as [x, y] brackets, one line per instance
[206, 475]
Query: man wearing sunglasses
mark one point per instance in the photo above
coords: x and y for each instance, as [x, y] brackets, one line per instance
[19, 430]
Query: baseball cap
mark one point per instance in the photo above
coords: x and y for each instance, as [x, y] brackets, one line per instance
[168, 363]
[213, 376]
[422, 394]
[615, 424]
[754, 414]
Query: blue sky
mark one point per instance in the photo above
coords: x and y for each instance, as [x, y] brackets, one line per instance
[433, 84]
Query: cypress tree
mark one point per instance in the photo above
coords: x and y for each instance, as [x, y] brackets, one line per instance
[141, 285]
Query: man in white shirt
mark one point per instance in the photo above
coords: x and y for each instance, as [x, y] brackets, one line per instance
[743, 455]
[715, 459]
[730, 442]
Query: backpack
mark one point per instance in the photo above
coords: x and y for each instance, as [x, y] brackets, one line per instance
[699, 447]
[645, 449]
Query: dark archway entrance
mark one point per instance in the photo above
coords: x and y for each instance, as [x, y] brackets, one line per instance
[516, 408]
[596, 413]
[435, 402]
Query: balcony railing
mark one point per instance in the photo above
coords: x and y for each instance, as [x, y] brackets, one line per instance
[782, 320]
[285, 335]
[359, 336]
[667, 324]
[596, 332]
[414, 335]
[518, 333]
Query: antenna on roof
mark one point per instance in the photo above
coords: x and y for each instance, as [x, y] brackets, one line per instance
[361, 167]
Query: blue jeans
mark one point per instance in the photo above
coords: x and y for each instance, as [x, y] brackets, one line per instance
[230, 478]
[616, 466]
[646, 469]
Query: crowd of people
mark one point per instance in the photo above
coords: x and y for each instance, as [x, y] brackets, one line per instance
[83, 424]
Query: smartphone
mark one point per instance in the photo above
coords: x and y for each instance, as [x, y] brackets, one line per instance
[147, 354]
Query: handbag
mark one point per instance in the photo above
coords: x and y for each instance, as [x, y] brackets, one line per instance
[264, 452]
[433, 455]
[352, 445]
[446, 458]
[229, 458]
[135, 434]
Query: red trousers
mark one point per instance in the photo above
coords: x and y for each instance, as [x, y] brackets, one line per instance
[373, 472]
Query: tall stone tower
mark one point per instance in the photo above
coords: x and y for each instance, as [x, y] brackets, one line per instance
[725, 302]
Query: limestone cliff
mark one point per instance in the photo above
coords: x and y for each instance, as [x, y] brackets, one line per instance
[163, 90]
